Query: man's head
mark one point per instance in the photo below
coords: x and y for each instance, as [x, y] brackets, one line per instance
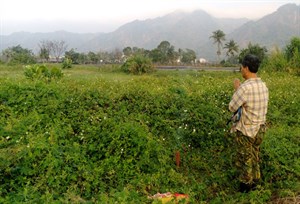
[252, 62]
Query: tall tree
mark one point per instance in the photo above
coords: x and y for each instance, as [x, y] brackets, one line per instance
[232, 49]
[164, 53]
[73, 56]
[218, 37]
[58, 48]
[255, 49]
[127, 51]
[45, 47]
[188, 56]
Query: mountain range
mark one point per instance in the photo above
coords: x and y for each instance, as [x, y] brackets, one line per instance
[183, 30]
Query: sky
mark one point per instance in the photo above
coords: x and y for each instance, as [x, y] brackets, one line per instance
[93, 16]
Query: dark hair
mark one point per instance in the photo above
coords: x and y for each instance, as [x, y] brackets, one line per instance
[252, 62]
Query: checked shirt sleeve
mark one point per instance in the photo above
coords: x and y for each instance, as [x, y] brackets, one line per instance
[238, 99]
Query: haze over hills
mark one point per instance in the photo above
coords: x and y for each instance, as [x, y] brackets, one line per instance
[183, 30]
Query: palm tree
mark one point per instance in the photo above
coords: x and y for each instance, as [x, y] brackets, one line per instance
[231, 47]
[218, 36]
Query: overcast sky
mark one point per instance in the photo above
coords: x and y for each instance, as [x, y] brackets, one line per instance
[83, 16]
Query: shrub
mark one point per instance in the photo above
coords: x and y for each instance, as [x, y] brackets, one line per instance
[138, 65]
[275, 62]
[42, 72]
[67, 63]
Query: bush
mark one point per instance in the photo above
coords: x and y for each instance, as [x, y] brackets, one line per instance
[67, 63]
[42, 72]
[275, 62]
[294, 63]
[138, 65]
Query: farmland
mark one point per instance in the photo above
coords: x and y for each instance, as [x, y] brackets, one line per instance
[98, 135]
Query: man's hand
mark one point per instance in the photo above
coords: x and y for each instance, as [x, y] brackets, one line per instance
[236, 84]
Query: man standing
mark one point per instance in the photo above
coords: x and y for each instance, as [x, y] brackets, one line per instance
[251, 99]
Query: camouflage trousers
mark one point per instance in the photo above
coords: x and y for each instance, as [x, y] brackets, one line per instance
[247, 158]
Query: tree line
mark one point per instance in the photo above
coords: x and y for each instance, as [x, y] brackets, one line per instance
[164, 53]
[56, 51]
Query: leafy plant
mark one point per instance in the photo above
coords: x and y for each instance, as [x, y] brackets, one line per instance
[138, 65]
[67, 63]
[42, 72]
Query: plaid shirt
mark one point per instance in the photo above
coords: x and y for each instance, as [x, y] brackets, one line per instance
[253, 96]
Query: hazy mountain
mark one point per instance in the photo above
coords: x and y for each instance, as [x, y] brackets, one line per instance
[31, 40]
[183, 30]
[274, 29]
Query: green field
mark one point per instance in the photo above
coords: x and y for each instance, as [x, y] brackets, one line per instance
[102, 136]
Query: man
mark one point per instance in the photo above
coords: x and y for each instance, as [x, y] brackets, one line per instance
[251, 99]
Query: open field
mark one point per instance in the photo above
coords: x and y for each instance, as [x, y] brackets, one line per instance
[101, 136]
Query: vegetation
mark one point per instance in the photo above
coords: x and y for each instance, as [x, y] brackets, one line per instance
[56, 48]
[259, 51]
[67, 63]
[287, 60]
[232, 51]
[98, 135]
[138, 65]
[17, 54]
[218, 37]
[42, 72]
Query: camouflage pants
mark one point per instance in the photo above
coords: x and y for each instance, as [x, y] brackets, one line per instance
[247, 158]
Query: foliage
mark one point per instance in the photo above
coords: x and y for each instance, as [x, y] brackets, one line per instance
[18, 55]
[287, 60]
[54, 47]
[138, 65]
[218, 37]
[231, 47]
[292, 48]
[276, 61]
[292, 53]
[73, 55]
[164, 53]
[42, 72]
[45, 49]
[256, 49]
[105, 137]
[67, 63]
[188, 56]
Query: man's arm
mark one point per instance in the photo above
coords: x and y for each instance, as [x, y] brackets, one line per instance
[237, 98]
